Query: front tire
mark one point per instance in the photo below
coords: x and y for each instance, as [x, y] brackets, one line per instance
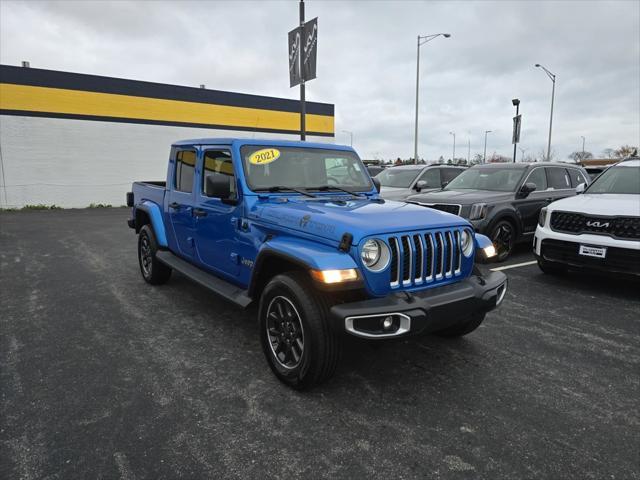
[551, 268]
[463, 328]
[298, 342]
[153, 270]
[503, 236]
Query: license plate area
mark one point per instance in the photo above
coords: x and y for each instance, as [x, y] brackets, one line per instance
[590, 251]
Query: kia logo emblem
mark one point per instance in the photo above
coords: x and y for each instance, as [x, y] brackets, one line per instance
[597, 224]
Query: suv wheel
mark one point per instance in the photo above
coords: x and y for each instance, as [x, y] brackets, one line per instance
[503, 236]
[153, 271]
[300, 346]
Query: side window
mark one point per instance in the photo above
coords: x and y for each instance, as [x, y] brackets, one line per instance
[538, 177]
[577, 177]
[449, 174]
[432, 177]
[558, 178]
[219, 163]
[185, 166]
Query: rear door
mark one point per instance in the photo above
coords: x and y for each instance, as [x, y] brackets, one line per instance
[217, 221]
[180, 199]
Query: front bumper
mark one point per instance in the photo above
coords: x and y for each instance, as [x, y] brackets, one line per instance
[421, 312]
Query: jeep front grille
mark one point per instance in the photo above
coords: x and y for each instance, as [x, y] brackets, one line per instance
[424, 257]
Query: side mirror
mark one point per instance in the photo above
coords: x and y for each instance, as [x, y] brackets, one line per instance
[580, 188]
[420, 184]
[527, 188]
[376, 183]
[218, 186]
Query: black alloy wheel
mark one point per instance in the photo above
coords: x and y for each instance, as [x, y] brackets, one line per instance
[285, 332]
[503, 237]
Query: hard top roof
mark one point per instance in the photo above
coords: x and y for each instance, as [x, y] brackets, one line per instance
[257, 141]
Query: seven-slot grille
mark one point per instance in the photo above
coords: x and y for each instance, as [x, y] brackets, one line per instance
[576, 223]
[424, 257]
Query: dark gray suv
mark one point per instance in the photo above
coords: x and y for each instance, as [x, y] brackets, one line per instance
[503, 200]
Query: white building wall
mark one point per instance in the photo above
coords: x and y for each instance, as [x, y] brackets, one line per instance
[73, 163]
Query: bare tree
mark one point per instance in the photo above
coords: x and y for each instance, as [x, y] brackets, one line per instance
[579, 156]
[608, 152]
[625, 151]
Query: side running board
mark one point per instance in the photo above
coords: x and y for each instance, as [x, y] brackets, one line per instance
[223, 288]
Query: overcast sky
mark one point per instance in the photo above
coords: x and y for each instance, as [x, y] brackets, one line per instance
[367, 63]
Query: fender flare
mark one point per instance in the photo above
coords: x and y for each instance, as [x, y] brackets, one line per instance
[157, 222]
[305, 253]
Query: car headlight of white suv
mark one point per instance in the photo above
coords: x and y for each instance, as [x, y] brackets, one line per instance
[542, 218]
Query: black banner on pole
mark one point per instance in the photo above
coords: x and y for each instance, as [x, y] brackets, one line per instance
[294, 57]
[517, 123]
[310, 49]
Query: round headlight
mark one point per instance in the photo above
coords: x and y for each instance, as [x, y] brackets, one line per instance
[467, 243]
[375, 255]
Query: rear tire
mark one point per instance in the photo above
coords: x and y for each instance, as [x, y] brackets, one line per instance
[551, 268]
[153, 270]
[463, 328]
[297, 339]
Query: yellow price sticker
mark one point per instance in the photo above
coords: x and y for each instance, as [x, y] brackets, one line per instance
[264, 156]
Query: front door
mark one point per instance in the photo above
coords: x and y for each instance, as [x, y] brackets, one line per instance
[529, 207]
[217, 220]
[180, 201]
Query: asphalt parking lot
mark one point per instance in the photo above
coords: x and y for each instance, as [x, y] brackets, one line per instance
[104, 376]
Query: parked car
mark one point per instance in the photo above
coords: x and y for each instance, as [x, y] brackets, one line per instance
[503, 200]
[322, 255]
[401, 181]
[598, 230]
[375, 169]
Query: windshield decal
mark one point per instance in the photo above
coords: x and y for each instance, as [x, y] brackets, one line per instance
[264, 156]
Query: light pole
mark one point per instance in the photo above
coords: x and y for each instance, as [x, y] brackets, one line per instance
[453, 159]
[350, 135]
[516, 103]
[421, 41]
[522, 150]
[553, 94]
[468, 151]
[484, 157]
[582, 148]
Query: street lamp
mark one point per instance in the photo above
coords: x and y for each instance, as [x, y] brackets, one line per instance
[582, 147]
[350, 135]
[484, 157]
[453, 159]
[553, 93]
[421, 41]
[522, 150]
[516, 103]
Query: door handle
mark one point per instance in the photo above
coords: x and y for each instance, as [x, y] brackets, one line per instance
[199, 212]
[175, 205]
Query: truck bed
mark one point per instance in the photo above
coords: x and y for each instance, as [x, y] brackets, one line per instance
[152, 191]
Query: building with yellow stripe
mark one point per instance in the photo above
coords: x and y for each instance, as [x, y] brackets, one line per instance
[73, 139]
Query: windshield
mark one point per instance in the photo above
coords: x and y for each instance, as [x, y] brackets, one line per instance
[617, 180]
[303, 168]
[492, 179]
[398, 177]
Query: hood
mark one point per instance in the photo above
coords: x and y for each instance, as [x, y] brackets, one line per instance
[462, 197]
[331, 218]
[608, 204]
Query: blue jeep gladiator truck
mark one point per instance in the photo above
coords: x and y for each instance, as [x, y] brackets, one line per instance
[300, 229]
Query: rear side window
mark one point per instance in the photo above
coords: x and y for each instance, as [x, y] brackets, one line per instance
[449, 174]
[185, 166]
[558, 178]
[577, 177]
[539, 178]
[219, 163]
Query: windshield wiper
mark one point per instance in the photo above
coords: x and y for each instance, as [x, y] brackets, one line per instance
[325, 188]
[284, 188]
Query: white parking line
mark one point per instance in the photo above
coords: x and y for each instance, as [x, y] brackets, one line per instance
[515, 265]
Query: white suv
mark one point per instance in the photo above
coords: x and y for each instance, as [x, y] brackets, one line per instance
[599, 229]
